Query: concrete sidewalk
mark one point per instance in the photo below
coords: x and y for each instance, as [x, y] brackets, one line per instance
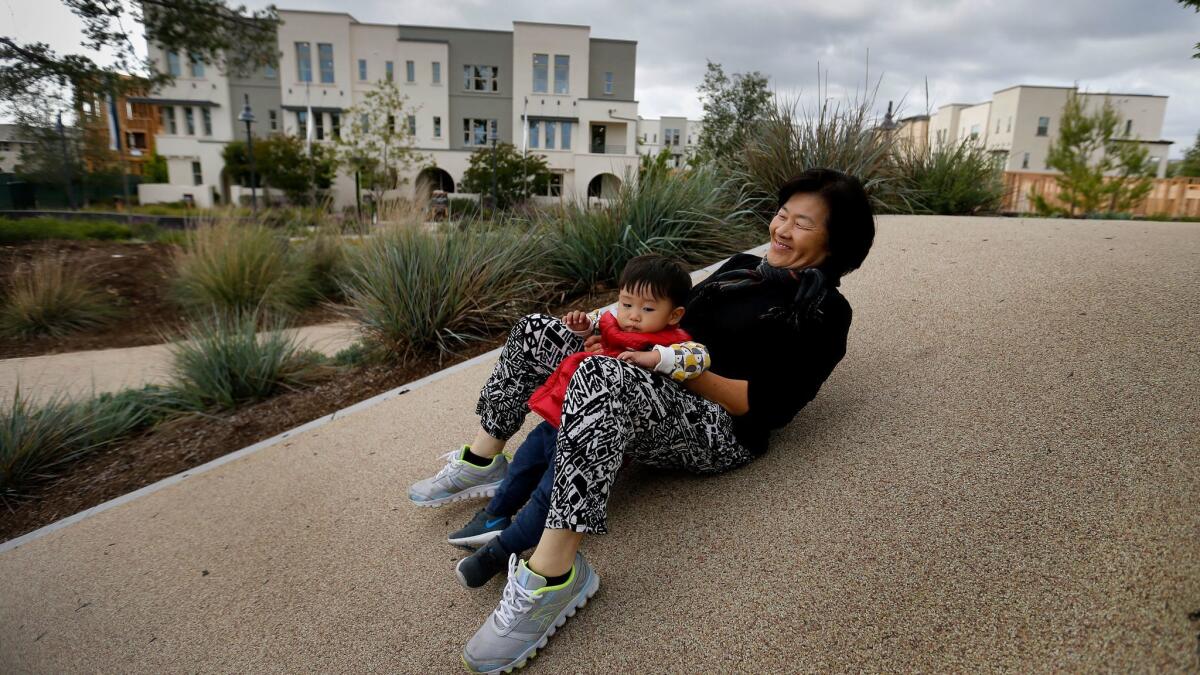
[84, 374]
[1001, 475]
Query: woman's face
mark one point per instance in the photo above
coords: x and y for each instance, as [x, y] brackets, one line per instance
[799, 237]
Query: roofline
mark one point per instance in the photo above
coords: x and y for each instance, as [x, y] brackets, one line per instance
[616, 40]
[1085, 92]
[435, 41]
[402, 26]
[913, 117]
[317, 11]
[1162, 141]
[557, 25]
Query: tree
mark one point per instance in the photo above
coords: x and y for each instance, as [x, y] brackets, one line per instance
[1194, 4]
[379, 146]
[1190, 166]
[155, 169]
[1099, 170]
[731, 107]
[516, 177]
[211, 30]
[281, 162]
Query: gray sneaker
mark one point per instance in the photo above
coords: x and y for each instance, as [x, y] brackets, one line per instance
[459, 480]
[529, 613]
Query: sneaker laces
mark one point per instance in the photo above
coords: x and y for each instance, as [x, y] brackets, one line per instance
[450, 458]
[516, 599]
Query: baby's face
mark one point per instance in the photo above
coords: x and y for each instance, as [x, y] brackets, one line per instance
[638, 311]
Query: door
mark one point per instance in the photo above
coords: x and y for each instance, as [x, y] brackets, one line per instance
[598, 131]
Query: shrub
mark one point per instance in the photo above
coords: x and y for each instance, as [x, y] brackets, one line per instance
[324, 256]
[35, 440]
[46, 297]
[950, 179]
[416, 291]
[695, 216]
[238, 268]
[222, 362]
[839, 136]
[13, 231]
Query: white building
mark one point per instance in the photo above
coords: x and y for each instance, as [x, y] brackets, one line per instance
[11, 142]
[679, 135]
[1020, 122]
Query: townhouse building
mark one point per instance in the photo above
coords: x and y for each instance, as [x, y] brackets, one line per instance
[1019, 123]
[678, 135]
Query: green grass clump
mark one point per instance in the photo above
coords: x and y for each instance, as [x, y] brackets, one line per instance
[951, 179]
[222, 362]
[420, 292]
[15, 231]
[37, 440]
[237, 268]
[324, 256]
[47, 297]
[696, 216]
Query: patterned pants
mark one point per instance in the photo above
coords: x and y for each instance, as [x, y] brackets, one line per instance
[611, 409]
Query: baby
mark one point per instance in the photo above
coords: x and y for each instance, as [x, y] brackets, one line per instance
[643, 329]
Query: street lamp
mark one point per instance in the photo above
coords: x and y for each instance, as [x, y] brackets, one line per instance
[494, 195]
[247, 116]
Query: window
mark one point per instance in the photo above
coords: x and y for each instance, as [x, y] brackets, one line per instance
[974, 131]
[554, 189]
[608, 82]
[362, 70]
[173, 64]
[479, 132]
[437, 72]
[197, 174]
[550, 135]
[1128, 127]
[325, 56]
[533, 134]
[269, 72]
[135, 140]
[481, 78]
[206, 120]
[1043, 126]
[541, 73]
[319, 126]
[410, 71]
[303, 62]
[566, 136]
[1025, 161]
[167, 113]
[302, 122]
[391, 123]
[562, 73]
[390, 69]
[997, 126]
[196, 66]
[671, 137]
[364, 121]
[412, 125]
[437, 126]
[274, 119]
[189, 121]
[128, 110]
[1008, 127]
[656, 138]
[335, 125]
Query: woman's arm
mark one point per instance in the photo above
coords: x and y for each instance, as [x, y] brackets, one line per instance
[732, 395]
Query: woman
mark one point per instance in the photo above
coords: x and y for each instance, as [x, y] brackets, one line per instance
[775, 328]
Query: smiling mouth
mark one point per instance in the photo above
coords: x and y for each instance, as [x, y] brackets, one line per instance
[780, 245]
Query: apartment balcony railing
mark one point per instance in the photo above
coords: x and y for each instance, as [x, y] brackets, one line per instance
[608, 150]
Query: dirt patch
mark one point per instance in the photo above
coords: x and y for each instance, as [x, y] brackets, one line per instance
[187, 442]
[136, 276]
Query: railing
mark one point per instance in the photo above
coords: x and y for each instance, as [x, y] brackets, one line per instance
[609, 150]
[1172, 197]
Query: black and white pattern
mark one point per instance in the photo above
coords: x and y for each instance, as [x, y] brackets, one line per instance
[536, 345]
[611, 409]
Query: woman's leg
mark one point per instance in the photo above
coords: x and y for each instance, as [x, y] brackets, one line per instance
[535, 346]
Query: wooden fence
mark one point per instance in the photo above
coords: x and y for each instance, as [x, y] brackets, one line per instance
[1174, 197]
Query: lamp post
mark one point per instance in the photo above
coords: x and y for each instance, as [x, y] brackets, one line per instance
[247, 116]
[494, 195]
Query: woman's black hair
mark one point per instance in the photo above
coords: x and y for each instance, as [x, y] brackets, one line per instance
[851, 223]
[661, 276]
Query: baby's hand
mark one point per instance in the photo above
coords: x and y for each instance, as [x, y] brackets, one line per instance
[647, 360]
[593, 345]
[577, 321]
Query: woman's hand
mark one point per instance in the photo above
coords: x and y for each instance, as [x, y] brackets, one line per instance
[593, 345]
[577, 321]
[647, 360]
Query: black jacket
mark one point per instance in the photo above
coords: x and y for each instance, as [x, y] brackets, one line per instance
[784, 366]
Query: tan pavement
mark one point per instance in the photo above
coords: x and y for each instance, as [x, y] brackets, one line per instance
[84, 374]
[1001, 475]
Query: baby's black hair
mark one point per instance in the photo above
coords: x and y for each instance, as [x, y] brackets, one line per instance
[661, 276]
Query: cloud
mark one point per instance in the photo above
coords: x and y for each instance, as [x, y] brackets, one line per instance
[966, 48]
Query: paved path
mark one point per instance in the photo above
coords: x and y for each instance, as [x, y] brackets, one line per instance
[1001, 475]
[82, 374]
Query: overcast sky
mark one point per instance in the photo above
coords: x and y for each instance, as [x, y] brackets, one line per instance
[966, 48]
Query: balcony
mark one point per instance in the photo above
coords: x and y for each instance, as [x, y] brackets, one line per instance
[608, 149]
